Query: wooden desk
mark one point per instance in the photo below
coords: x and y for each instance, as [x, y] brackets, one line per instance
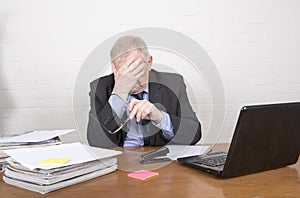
[176, 180]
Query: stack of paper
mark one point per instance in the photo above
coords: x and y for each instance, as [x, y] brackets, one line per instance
[44, 169]
[30, 139]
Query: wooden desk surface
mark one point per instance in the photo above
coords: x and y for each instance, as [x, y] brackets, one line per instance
[176, 180]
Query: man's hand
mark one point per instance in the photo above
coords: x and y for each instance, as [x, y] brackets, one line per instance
[143, 109]
[126, 76]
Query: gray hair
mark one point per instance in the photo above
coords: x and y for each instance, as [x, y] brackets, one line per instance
[127, 43]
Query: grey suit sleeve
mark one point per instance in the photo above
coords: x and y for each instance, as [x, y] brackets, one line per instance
[95, 134]
[187, 127]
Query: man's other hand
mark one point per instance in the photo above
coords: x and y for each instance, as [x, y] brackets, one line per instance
[143, 109]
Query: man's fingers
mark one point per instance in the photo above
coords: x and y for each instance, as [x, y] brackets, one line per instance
[146, 111]
[128, 62]
[131, 104]
[124, 68]
[135, 70]
[140, 109]
[134, 109]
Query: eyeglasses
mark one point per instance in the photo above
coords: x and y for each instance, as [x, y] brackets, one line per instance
[122, 124]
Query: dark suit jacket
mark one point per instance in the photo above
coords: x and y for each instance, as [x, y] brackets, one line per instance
[166, 90]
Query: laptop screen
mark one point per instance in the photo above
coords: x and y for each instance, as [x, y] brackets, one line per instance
[266, 137]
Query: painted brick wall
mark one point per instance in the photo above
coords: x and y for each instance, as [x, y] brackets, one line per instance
[255, 45]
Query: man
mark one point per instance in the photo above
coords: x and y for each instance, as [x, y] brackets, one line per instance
[138, 106]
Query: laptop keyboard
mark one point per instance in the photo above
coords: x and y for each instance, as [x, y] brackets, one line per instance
[213, 161]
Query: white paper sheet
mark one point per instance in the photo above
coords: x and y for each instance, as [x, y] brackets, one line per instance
[79, 153]
[35, 136]
[178, 151]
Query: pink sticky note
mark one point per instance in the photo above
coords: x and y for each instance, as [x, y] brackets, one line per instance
[142, 174]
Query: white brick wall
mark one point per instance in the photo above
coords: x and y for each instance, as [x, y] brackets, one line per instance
[255, 45]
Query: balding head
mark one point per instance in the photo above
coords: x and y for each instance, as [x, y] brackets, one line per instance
[126, 44]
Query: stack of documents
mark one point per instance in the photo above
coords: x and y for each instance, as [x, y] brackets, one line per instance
[45, 169]
[29, 139]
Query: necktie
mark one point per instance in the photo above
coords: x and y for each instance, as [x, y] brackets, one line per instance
[140, 96]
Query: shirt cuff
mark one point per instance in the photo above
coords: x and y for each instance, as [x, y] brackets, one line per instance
[117, 104]
[165, 125]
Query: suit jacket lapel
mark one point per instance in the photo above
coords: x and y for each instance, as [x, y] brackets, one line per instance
[155, 94]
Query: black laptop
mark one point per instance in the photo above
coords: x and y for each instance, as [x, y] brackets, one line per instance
[266, 137]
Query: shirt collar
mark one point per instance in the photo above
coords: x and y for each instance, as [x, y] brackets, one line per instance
[147, 89]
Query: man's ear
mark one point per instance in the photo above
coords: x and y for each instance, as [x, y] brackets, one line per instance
[113, 67]
[150, 59]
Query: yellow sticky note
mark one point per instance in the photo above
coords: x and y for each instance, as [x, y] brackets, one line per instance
[54, 161]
